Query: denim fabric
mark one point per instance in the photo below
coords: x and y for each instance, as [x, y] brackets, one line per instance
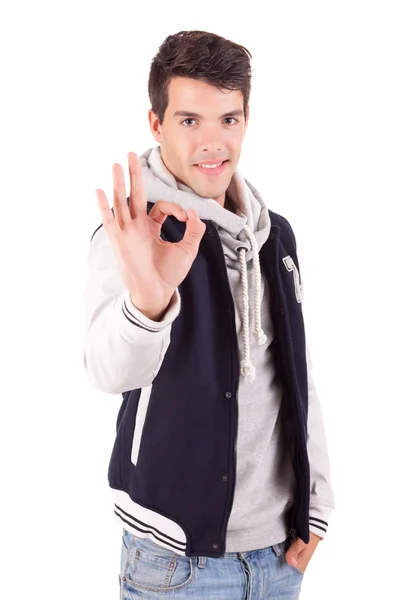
[151, 572]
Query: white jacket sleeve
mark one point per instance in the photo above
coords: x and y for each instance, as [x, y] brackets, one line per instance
[321, 494]
[123, 349]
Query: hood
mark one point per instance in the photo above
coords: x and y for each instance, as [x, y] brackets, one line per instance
[241, 234]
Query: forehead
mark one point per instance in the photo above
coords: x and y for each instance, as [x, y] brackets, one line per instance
[189, 94]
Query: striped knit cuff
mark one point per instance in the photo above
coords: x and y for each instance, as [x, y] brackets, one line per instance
[319, 519]
[135, 327]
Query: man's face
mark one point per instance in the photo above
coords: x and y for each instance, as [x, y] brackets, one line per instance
[201, 125]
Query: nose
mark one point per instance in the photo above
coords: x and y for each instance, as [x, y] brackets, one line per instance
[211, 147]
[210, 141]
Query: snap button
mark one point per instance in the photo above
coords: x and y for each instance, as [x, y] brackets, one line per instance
[137, 552]
[224, 477]
[282, 310]
[228, 395]
[272, 236]
[215, 546]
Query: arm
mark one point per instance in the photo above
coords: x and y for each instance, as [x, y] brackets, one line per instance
[123, 349]
[321, 494]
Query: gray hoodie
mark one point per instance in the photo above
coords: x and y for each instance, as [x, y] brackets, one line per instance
[265, 481]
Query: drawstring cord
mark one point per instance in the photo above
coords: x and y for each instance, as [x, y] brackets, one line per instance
[247, 368]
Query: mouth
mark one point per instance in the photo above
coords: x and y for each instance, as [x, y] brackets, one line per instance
[212, 169]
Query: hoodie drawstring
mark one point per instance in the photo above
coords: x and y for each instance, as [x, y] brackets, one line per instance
[247, 369]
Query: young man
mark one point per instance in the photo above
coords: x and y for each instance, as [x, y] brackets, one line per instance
[220, 467]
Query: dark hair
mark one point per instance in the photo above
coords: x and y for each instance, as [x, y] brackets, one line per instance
[199, 55]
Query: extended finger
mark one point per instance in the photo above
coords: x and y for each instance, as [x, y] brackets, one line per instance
[107, 216]
[121, 210]
[137, 195]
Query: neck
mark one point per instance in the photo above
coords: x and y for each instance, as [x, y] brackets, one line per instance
[229, 205]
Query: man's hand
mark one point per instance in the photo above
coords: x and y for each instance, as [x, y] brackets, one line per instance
[299, 554]
[150, 267]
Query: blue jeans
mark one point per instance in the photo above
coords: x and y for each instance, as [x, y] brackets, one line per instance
[151, 572]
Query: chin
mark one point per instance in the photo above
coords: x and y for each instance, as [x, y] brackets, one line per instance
[211, 191]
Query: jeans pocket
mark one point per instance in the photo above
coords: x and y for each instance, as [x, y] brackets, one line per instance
[145, 565]
[300, 573]
[284, 548]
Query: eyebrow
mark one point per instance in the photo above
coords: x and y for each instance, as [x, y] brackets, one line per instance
[185, 113]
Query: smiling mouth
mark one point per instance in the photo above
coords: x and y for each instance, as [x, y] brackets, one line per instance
[210, 165]
[211, 169]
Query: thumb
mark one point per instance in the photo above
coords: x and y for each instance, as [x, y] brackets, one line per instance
[195, 229]
[293, 552]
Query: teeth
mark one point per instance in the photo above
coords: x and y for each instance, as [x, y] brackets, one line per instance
[210, 166]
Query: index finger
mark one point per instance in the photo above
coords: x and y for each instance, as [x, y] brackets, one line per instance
[137, 195]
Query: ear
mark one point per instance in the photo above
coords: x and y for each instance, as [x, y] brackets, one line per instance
[155, 126]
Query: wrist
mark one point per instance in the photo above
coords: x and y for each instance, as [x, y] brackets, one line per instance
[154, 313]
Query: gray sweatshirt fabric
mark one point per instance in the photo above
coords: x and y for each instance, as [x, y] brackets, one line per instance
[265, 481]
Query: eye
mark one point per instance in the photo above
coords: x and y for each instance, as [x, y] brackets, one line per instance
[231, 119]
[187, 120]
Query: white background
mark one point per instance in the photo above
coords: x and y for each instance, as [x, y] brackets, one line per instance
[323, 150]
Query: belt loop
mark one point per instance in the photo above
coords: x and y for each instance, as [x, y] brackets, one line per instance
[278, 549]
[201, 561]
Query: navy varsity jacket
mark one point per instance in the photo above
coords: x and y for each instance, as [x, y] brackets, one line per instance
[185, 471]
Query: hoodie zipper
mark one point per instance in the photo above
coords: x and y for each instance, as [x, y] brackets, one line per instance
[235, 370]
